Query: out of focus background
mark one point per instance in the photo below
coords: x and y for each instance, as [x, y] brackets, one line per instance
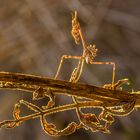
[34, 34]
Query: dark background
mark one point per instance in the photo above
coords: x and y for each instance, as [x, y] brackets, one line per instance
[34, 34]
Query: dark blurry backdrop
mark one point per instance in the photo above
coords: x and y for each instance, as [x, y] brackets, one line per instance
[34, 34]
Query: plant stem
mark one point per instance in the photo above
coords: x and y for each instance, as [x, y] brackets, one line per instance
[25, 82]
[92, 104]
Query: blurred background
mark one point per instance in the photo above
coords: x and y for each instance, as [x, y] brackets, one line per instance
[34, 34]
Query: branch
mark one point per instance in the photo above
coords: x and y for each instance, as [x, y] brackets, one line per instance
[26, 82]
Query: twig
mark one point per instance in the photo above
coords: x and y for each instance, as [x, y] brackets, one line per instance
[26, 82]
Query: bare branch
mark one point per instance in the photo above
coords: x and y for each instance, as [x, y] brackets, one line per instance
[26, 82]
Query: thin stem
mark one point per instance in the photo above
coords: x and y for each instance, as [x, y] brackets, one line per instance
[25, 82]
[47, 112]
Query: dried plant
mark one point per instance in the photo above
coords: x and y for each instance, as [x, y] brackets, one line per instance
[109, 98]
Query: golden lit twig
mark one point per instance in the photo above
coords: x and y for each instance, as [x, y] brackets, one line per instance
[26, 82]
